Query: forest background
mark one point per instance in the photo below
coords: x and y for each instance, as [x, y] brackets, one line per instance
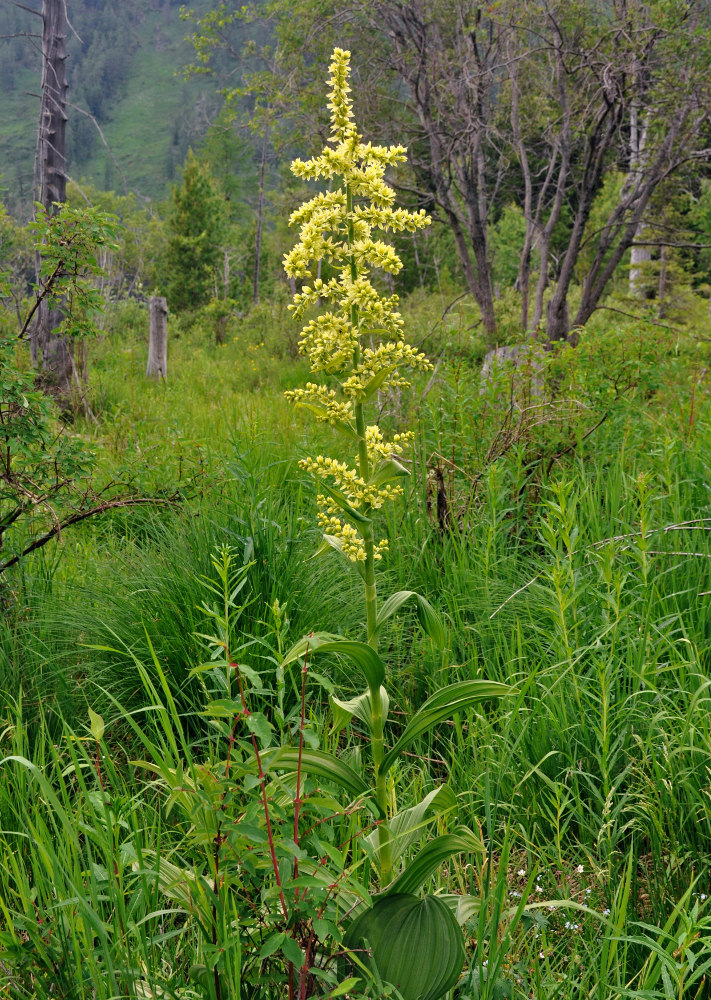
[556, 514]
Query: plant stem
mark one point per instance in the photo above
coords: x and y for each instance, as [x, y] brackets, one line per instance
[297, 800]
[371, 594]
[263, 786]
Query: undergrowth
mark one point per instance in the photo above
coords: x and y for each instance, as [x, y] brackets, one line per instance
[572, 565]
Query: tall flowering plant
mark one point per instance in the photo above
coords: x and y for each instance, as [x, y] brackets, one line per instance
[356, 344]
[279, 871]
[356, 348]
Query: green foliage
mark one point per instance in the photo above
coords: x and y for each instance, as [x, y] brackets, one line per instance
[506, 239]
[190, 824]
[16, 266]
[414, 943]
[131, 264]
[580, 590]
[70, 242]
[44, 470]
[196, 226]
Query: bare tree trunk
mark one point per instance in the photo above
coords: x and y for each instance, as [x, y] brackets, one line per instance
[639, 255]
[51, 183]
[456, 183]
[619, 231]
[523, 280]
[662, 286]
[562, 150]
[597, 146]
[260, 216]
[158, 338]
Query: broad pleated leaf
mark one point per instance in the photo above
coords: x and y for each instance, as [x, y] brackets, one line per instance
[435, 851]
[415, 944]
[428, 617]
[407, 825]
[316, 762]
[441, 706]
[464, 908]
[361, 707]
[363, 655]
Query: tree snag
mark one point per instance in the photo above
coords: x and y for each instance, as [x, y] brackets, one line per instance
[51, 186]
[158, 338]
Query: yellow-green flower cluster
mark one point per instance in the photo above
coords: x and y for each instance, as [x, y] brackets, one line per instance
[357, 341]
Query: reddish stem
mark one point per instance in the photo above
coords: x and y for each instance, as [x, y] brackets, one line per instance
[308, 951]
[297, 803]
[263, 786]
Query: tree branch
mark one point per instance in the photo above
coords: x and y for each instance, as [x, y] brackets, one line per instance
[38, 543]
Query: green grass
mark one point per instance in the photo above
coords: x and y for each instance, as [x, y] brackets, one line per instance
[585, 582]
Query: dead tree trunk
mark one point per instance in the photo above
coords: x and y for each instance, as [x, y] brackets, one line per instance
[158, 338]
[51, 184]
[640, 256]
[260, 218]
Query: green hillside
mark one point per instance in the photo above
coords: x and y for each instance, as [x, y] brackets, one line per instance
[125, 69]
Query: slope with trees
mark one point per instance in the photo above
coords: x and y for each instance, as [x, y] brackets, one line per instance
[535, 105]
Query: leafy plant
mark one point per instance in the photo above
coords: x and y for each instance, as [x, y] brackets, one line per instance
[286, 860]
[45, 470]
[70, 242]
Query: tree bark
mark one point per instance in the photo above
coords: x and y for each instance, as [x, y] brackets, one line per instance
[597, 147]
[158, 338]
[619, 231]
[260, 218]
[640, 256]
[662, 283]
[51, 185]
[455, 172]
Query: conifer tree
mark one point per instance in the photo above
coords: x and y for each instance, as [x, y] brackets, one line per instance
[196, 229]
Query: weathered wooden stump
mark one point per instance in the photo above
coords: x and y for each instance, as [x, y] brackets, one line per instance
[158, 338]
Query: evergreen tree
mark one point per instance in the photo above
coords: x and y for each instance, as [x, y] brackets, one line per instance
[194, 246]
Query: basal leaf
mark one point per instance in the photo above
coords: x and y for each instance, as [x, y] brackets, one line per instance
[407, 825]
[413, 944]
[432, 855]
[428, 617]
[441, 706]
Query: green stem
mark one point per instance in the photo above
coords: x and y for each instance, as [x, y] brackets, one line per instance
[371, 600]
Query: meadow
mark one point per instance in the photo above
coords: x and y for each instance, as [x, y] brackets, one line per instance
[562, 535]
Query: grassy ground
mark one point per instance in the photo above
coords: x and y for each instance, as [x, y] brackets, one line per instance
[565, 542]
